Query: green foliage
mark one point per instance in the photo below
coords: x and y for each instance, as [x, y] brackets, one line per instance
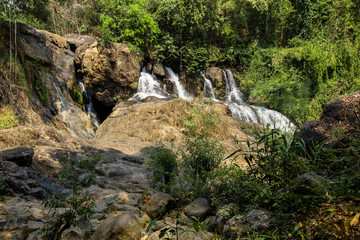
[127, 21]
[162, 165]
[8, 118]
[78, 205]
[200, 121]
[201, 155]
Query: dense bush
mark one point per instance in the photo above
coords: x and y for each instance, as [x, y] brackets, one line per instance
[163, 166]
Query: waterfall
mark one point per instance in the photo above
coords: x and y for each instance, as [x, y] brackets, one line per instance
[89, 108]
[233, 93]
[148, 86]
[208, 89]
[180, 90]
[267, 118]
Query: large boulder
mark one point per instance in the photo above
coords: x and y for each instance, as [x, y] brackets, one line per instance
[124, 226]
[159, 204]
[215, 75]
[164, 122]
[198, 208]
[159, 70]
[339, 122]
[110, 71]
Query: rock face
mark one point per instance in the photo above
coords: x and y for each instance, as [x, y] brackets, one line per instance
[198, 208]
[124, 226]
[109, 72]
[26, 181]
[339, 122]
[148, 123]
[48, 62]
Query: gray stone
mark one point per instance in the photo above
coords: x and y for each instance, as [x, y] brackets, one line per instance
[198, 208]
[22, 156]
[255, 220]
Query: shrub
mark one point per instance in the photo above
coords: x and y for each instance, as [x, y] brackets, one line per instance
[201, 154]
[78, 205]
[162, 165]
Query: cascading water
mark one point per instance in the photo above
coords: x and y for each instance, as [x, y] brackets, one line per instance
[265, 117]
[89, 108]
[208, 89]
[148, 86]
[180, 90]
[233, 93]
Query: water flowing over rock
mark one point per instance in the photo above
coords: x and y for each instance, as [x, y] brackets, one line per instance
[252, 114]
[89, 108]
[148, 86]
[179, 89]
[265, 117]
[208, 89]
[233, 93]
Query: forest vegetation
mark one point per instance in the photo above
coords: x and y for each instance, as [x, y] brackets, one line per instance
[293, 56]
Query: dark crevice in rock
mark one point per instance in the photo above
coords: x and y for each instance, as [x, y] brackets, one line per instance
[101, 110]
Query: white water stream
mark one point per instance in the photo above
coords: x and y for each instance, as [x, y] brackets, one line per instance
[267, 118]
[179, 89]
[148, 86]
[234, 99]
[89, 108]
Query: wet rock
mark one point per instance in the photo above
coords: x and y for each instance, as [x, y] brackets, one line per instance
[214, 74]
[30, 48]
[73, 117]
[159, 70]
[159, 204]
[124, 226]
[22, 156]
[198, 208]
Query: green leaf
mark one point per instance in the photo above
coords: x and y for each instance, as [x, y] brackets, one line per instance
[151, 224]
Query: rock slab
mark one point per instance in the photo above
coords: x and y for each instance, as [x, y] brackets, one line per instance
[22, 156]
